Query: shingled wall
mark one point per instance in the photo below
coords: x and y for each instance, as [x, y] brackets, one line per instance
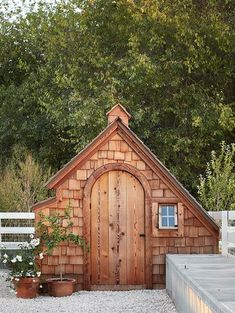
[191, 237]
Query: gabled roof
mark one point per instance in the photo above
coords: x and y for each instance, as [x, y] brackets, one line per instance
[145, 153]
[78, 158]
[170, 178]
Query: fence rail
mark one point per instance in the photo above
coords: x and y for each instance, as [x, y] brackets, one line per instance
[227, 232]
[13, 245]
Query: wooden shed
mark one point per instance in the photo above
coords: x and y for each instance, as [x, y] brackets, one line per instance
[131, 210]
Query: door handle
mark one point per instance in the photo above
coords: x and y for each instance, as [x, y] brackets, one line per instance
[142, 235]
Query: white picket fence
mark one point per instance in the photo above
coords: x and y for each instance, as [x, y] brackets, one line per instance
[14, 230]
[227, 232]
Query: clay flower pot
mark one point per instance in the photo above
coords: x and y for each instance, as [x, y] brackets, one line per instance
[60, 288]
[26, 287]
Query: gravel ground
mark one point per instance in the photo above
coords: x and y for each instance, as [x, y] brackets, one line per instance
[141, 301]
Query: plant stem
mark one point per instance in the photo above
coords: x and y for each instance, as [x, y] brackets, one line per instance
[61, 276]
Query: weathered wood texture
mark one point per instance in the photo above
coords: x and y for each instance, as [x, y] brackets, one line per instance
[117, 221]
[192, 235]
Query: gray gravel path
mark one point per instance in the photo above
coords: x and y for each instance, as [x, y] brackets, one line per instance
[141, 301]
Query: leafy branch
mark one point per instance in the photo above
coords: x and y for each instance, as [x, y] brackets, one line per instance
[55, 229]
[216, 187]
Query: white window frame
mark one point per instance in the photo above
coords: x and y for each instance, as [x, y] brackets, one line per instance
[175, 215]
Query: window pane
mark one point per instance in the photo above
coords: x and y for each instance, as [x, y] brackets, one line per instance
[171, 211]
[171, 221]
[164, 221]
[164, 210]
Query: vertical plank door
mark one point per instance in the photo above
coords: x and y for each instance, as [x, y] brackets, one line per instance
[117, 230]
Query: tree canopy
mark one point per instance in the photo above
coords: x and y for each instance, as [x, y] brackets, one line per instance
[169, 62]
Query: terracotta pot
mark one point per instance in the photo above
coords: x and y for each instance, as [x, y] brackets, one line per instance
[60, 288]
[26, 287]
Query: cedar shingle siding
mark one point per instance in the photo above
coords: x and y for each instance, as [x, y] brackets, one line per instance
[117, 148]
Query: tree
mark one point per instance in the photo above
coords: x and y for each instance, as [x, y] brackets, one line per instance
[170, 63]
[216, 188]
[22, 184]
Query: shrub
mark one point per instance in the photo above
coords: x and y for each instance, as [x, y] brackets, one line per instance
[22, 183]
[217, 186]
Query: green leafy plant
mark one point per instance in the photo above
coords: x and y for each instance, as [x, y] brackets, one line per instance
[55, 229]
[26, 262]
[216, 188]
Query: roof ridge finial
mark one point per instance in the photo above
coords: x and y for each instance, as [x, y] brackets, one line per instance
[118, 111]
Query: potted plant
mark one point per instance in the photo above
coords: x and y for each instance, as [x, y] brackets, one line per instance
[24, 268]
[54, 230]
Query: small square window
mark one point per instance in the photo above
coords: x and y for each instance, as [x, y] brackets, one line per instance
[168, 216]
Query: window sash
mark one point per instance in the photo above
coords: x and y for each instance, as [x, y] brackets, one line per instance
[166, 215]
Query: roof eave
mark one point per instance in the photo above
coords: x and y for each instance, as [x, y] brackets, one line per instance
[43, 203]
[175, 181]
[55, 179]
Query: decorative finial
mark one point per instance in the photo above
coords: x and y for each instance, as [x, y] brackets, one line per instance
[118, 111]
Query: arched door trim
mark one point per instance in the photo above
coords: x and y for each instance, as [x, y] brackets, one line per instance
[87, 219]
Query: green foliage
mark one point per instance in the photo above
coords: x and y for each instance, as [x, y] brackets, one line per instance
[26, 261]
[22, 183]
[55, 229]
[217, 186]
[170, 63]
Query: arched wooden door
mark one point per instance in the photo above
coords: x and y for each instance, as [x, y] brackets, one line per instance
[117, 231]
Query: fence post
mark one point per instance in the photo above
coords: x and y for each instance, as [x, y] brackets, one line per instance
[224, 233]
